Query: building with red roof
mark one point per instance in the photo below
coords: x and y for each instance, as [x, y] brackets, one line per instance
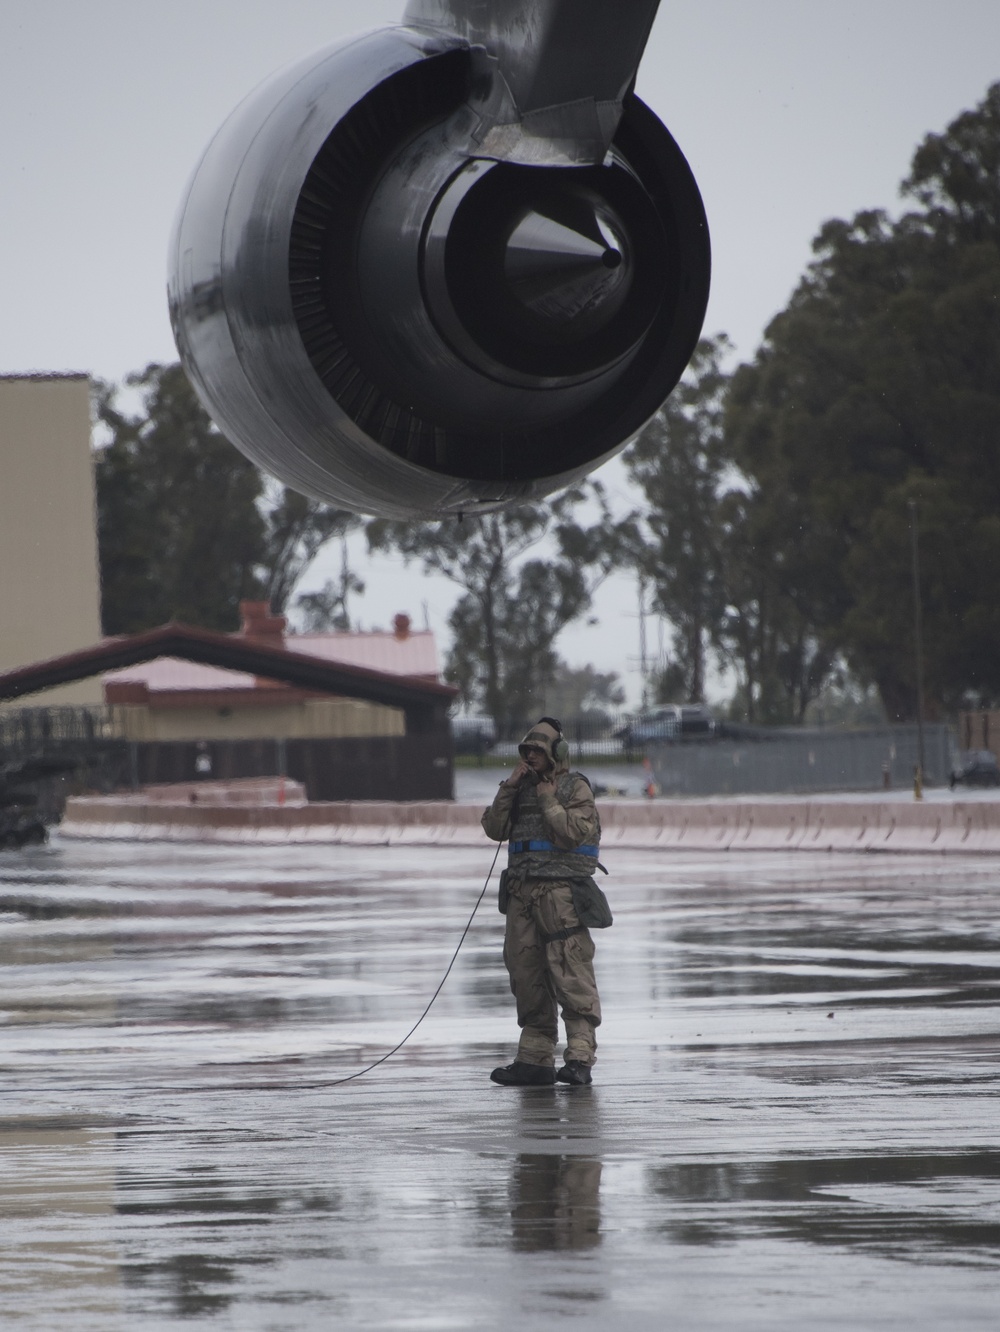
[185, 702]
[171, 698]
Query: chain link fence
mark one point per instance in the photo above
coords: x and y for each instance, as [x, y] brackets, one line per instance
[734, 760]
[25, 730]
[82, 747]
[788, 761]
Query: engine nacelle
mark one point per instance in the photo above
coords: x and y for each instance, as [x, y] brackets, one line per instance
[444, 267]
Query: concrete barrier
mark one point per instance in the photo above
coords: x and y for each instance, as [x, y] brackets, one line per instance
[841, 826]
[242, 791]
[788, 824]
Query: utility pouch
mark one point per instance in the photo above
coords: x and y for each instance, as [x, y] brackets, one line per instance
[591, 905]
[503, 894]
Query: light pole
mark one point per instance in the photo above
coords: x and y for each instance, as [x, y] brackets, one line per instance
[643, 659]
[918, 645]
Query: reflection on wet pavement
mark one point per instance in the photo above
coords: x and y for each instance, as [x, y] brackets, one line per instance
[793, 1123]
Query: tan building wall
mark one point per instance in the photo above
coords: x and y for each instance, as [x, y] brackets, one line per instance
[50, 586]
[315, 719]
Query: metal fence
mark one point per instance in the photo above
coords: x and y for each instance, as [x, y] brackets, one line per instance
[73, 749]
[762, 761]
[47, 754]
[802, 761]
[26, 730]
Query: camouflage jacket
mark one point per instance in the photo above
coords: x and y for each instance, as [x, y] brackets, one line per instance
[547, 832]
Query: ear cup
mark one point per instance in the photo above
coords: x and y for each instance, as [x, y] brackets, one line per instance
[560, 750]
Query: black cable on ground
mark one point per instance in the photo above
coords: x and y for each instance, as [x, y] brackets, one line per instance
[338, 1082]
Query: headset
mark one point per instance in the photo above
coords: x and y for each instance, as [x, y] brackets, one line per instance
[560, 750]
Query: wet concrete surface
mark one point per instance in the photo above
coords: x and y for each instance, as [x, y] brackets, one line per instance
[794, 1122]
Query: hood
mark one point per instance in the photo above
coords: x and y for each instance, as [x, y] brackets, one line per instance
[545, 736]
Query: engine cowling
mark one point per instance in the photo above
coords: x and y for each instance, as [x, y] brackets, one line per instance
[399, 290]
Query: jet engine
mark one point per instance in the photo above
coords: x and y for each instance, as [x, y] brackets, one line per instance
[444, 267]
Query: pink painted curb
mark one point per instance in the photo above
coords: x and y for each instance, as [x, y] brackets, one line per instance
[795, 824]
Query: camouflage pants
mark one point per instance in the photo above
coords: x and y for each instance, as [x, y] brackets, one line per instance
[544, 975]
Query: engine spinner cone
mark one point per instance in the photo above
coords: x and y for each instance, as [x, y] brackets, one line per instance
[560, 274]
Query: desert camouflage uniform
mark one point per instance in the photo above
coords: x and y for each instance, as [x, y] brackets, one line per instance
[548, 953]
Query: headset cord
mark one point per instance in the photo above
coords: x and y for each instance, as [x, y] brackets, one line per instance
[338, 1082]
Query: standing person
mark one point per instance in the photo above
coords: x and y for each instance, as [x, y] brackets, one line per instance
[549, 816]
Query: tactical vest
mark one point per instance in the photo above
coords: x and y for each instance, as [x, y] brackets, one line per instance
[531, 854]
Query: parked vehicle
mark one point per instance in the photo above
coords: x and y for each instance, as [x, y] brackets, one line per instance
[473, 735]
[670, 721]
[19, 829]
[977, 767]
[32, 794]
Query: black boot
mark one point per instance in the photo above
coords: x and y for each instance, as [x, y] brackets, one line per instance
[575, 1073]
[524, 1075]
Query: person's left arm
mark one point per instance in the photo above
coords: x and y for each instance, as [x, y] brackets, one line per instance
[573, 824]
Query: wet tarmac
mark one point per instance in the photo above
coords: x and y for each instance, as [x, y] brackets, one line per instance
[794, 1122]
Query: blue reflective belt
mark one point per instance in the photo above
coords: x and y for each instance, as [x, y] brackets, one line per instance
[518, 847]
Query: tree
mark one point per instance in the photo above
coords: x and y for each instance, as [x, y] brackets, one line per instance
[187, 527]
[179, 531]
[296, 529]
[327, 608]
[721, 556]
[582, 692]
[679, 462]
[765, 632]
[512, 608]
[877, 385]
[846, 702]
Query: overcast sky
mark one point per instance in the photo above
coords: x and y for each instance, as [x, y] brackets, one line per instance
[790, 112]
